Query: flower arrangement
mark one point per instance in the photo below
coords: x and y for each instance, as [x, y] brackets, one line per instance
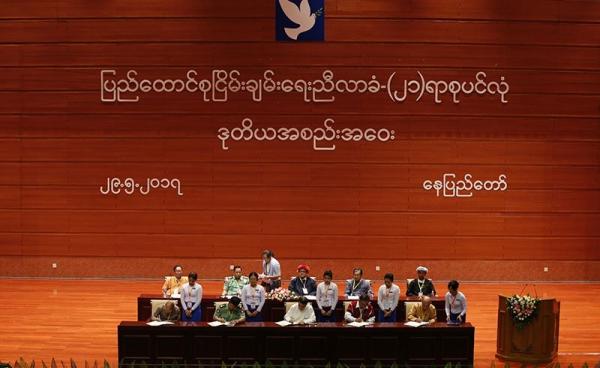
[281, 295]
[522, 309]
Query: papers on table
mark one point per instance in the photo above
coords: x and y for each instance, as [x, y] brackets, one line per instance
[159, 323]
[358, 324]
[415, 324]
[175, 296]
[283, 323]
[311, 297]
[352, 297]
[217, 324]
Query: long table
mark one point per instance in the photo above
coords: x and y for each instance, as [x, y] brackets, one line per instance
[274, 310]
[192, 342]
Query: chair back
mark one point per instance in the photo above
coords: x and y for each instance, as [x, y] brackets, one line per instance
[288, 305]
[408, 306]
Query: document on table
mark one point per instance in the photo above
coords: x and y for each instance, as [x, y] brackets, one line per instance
[415, 324]
[217, 324]
[159, 323]
[358, 324]
[352, 297]
[311, 297]
[175, 296]
[283, 323]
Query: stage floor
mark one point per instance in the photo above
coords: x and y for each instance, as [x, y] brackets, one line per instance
[78, 319]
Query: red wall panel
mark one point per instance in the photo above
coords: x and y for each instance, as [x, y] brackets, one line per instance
[360, 205]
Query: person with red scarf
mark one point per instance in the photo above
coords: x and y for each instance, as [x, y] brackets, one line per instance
[360, 310]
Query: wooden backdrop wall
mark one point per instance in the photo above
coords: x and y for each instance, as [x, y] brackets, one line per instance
[361, 204]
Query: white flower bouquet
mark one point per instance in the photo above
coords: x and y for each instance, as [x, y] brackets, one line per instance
[281, 295]
[522, 309]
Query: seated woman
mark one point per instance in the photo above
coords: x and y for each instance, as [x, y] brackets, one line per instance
[253, 299]
[231, 312]
[456, 304]
[191, 297]
[167, 312]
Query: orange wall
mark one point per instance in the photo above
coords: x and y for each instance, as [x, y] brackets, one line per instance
[361, 204]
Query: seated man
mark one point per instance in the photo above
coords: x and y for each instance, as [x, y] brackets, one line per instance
[423, 311]
[173, 284]
[301, 313]
[358, 286]
[456, 304]
[233, 284]
[302, 284]
[231, 312]
[421, 285]
[167, 312]
[360, 310]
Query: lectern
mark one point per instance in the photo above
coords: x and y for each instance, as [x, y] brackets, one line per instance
[537, 342]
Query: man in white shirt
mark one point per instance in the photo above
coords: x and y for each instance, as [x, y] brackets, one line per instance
[387, 299]
[327, 298]
[271, 274]
[456, 304]
[301, 313]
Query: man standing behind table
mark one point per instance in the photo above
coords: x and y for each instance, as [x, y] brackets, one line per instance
[302, 284]
[173, 284]
[271, 274]
[423, 311]
[327, 298]
[387, 299]
[233, 284]
[358, 286]
[456, 304]
[231, 312]
[360, 310]
[191, 297]
[421, 286]
[301, 313]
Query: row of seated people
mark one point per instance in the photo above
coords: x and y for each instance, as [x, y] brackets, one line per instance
[302, 312]
[252, 295]
[270, 279]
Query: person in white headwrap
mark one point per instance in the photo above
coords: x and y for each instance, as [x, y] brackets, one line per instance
[421, 286]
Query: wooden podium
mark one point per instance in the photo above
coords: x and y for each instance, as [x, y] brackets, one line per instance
[535, 343]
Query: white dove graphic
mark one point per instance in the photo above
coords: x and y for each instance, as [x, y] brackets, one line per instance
[300, 15]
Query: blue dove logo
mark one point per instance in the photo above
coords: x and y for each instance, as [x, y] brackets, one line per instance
[299, 20]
